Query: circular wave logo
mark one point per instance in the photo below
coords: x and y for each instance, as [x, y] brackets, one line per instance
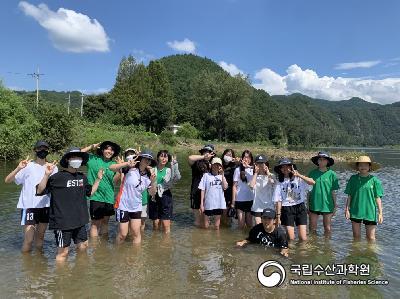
[273, 280]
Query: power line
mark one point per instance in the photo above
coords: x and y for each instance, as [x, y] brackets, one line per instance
[37, 77]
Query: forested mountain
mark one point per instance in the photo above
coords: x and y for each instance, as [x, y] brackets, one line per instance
[189, 88]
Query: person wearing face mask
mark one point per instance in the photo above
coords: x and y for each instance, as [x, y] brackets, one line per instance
[34, 210]
[102, 202]
[68, 214]
[229, 164]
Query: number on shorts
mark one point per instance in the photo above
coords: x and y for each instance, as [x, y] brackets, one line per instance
[122, 214]
[29, 216]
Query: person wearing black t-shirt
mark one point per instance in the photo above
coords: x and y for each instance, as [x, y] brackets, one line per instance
[200, 165]
[68, 213]
[267, 234]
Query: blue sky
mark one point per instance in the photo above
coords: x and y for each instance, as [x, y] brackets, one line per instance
[326, 49]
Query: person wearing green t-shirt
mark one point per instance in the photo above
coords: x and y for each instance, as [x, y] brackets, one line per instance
[322, 198]
[161, 205]
[102, 201]
[364, 196]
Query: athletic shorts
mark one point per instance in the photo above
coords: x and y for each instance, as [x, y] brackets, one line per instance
[64, 237]
[256, 214]
[320, 213]
[34, 216]
[162, 207]
[124, 216]
[366, 222]
[291, 215]
[214, 212]
[99, 210]
[244, 206]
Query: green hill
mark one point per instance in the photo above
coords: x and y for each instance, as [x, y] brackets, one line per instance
[230, 109]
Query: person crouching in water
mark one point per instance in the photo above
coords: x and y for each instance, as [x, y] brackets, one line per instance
[212, 200]
[138, 176]
[322, 198]
[267, 233]
[68, 215]
[161, 206]
[290, 196]
[263, 185]
[364, 196]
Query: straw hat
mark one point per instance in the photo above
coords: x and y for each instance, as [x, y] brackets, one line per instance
[365, 159]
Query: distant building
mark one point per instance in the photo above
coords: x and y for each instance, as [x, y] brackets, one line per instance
[174, 128]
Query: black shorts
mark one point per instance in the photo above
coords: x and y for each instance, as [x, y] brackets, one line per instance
[256, 214]
[366, 222]
[228, 196]
[124, 216]
[214, 212]
[34, 216]
[292, 215]
[63, 237]
[244, 206]
[99, 210]
[162, 207]
[320, 213]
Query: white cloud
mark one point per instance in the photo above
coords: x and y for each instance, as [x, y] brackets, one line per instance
[230, 68]
[68, 30]
[308, 82]
[183, 46]
[355, 65]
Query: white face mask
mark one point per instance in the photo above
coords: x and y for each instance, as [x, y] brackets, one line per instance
[130, 157]
[227, 159]
[75, 163]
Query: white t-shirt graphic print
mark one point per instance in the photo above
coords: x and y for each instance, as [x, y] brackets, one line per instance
[243, 191]
[291, 193]
[213, 191]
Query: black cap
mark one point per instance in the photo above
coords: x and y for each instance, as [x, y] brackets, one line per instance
[283, 161]
[41, 143]
[261, 159]
[268, 213]
[207, 147]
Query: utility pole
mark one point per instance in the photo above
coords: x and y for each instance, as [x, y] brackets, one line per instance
[69, 101]
[37, 77]
[82, 95]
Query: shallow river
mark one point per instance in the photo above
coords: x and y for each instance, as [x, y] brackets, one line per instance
[197, 263]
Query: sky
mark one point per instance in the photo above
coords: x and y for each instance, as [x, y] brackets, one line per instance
[332, 50]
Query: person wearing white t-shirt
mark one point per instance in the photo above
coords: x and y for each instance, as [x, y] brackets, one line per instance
[262, 185]
[139, 176]
[290, 196]
[34, 209]
[212, 199]
[242, 196]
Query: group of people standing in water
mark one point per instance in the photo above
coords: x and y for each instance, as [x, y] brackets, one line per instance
[270, 204]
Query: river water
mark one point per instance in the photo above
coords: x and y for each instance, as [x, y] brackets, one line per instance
[198, 263]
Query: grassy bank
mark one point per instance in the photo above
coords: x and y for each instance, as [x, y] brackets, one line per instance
[86, 133]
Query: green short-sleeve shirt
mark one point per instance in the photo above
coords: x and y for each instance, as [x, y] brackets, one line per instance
[105, 191]
[321, 199]
[363, 192]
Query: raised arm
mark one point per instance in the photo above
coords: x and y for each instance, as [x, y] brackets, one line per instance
[90, 147]
[308, 180]
[97, 181]
[194, 158]
[43, 183]
[21, 165]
